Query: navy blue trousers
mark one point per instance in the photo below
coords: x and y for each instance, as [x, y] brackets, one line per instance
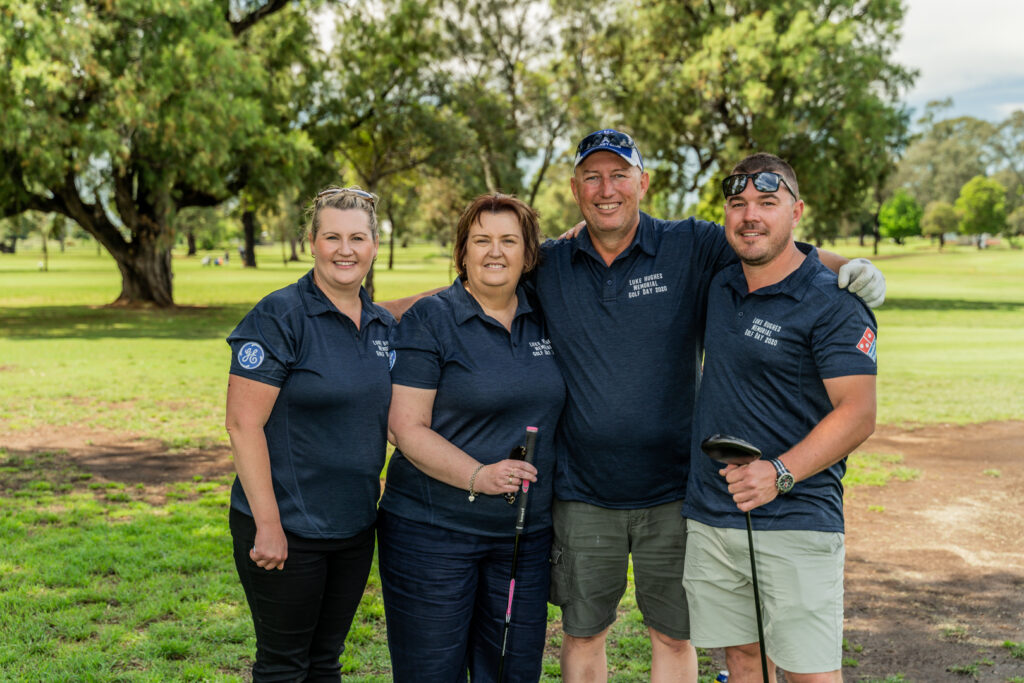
[445, 595]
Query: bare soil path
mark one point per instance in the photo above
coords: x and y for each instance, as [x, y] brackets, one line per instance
[934, 570]
[935, 566]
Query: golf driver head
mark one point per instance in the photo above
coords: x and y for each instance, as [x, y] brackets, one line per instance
[730, 450]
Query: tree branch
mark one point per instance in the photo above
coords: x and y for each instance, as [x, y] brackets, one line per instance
[249, 20]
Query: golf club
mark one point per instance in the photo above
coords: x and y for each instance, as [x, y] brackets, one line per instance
[531, 442]
[730, 450]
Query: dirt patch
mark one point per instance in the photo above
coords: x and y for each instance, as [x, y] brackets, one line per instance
[934, 570]
[144, 465]
[935, 566]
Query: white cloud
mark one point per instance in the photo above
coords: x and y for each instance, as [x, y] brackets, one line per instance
[965, 46]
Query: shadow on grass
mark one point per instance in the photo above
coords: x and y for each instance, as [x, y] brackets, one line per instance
[898, 304]
[100, 322]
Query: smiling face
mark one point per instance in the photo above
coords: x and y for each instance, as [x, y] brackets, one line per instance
[495, 252]
[344, 248]
[608, 191]
[759, 225]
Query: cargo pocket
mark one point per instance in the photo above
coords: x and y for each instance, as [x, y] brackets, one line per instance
[562, 562]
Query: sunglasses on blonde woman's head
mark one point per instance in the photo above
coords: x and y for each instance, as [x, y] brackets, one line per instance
[355, 191]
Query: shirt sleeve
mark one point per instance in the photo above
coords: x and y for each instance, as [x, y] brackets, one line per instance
[417, 350]
[844, 340]
[262, 348]
[713, 250]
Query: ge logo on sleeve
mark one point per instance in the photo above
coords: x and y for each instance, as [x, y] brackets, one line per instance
[391, 359]
[251, 356]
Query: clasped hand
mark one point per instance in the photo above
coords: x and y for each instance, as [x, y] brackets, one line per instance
[505, 476]
[751, 485]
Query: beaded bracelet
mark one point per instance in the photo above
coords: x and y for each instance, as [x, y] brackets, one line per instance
[472, 480]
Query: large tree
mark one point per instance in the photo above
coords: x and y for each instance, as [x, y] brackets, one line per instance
[944, 156]
[939, 218]
[900, 217]
[703, 84]
[982, 207]
[117, 115]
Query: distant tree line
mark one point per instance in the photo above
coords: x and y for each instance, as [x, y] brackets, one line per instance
[958, 175]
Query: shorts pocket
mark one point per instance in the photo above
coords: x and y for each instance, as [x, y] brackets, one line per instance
[562, 562]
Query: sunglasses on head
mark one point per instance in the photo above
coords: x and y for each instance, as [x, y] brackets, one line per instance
[764, 181]
[601, 138]
[362, 194]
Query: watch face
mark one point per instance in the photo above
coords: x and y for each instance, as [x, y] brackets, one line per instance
[784, 483]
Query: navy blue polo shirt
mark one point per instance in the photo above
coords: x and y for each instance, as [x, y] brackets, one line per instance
[328, 429]
[768, 353]
[629, 338]
[491, 385]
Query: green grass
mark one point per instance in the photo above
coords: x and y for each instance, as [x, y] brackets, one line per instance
[102, 582]
[1016, 649]
[876, 469]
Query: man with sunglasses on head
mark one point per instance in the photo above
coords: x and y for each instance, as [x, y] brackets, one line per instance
[625, 300]
[792, 371]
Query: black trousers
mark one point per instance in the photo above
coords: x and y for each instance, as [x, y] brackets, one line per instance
[303, 612]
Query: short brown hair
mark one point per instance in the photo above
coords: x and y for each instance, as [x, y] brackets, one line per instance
[498, 203]
[763, 161]
[343, 199]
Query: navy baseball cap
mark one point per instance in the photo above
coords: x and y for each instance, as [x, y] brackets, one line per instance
[610, 141]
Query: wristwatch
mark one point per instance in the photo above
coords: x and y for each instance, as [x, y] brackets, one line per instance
[784, 482]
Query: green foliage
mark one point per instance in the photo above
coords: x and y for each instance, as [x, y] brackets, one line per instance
[943, 158]
[135, 109]
[703, 84]
[939, 218]
[982, 206]
[900, 217]
[1015, 225]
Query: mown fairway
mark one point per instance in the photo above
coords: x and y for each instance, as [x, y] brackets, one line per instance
[98, 584]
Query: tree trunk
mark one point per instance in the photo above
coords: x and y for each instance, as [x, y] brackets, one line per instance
[146, 276]
[249, 227]
[391, 239]
[942, 241]
[295, 249]
[46, 256]
[190, 237]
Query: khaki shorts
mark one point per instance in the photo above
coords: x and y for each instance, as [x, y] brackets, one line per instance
[799, 577]
[590, 560]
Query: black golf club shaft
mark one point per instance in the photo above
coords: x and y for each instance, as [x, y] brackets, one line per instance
[757, 599]
[531, 443]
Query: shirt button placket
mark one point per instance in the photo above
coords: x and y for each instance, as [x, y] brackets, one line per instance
[609, 288]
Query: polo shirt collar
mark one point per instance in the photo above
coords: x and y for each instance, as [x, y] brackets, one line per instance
[645, 239]
[464, 306]
[317, 303]
[793, 285]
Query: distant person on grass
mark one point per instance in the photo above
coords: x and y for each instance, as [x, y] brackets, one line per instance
[307, 415]
[625, 300]
[790, 367]
[473, 368]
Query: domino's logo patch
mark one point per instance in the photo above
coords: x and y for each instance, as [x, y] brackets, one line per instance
[251, 356]
[391, 359]
[867, 344]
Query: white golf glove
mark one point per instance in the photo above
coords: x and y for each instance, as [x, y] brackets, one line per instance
[865, 280]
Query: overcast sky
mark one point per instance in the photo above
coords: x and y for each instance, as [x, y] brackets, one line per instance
[971, 51]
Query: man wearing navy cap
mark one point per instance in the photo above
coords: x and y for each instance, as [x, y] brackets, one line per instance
[625, 302]
[792, 371]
